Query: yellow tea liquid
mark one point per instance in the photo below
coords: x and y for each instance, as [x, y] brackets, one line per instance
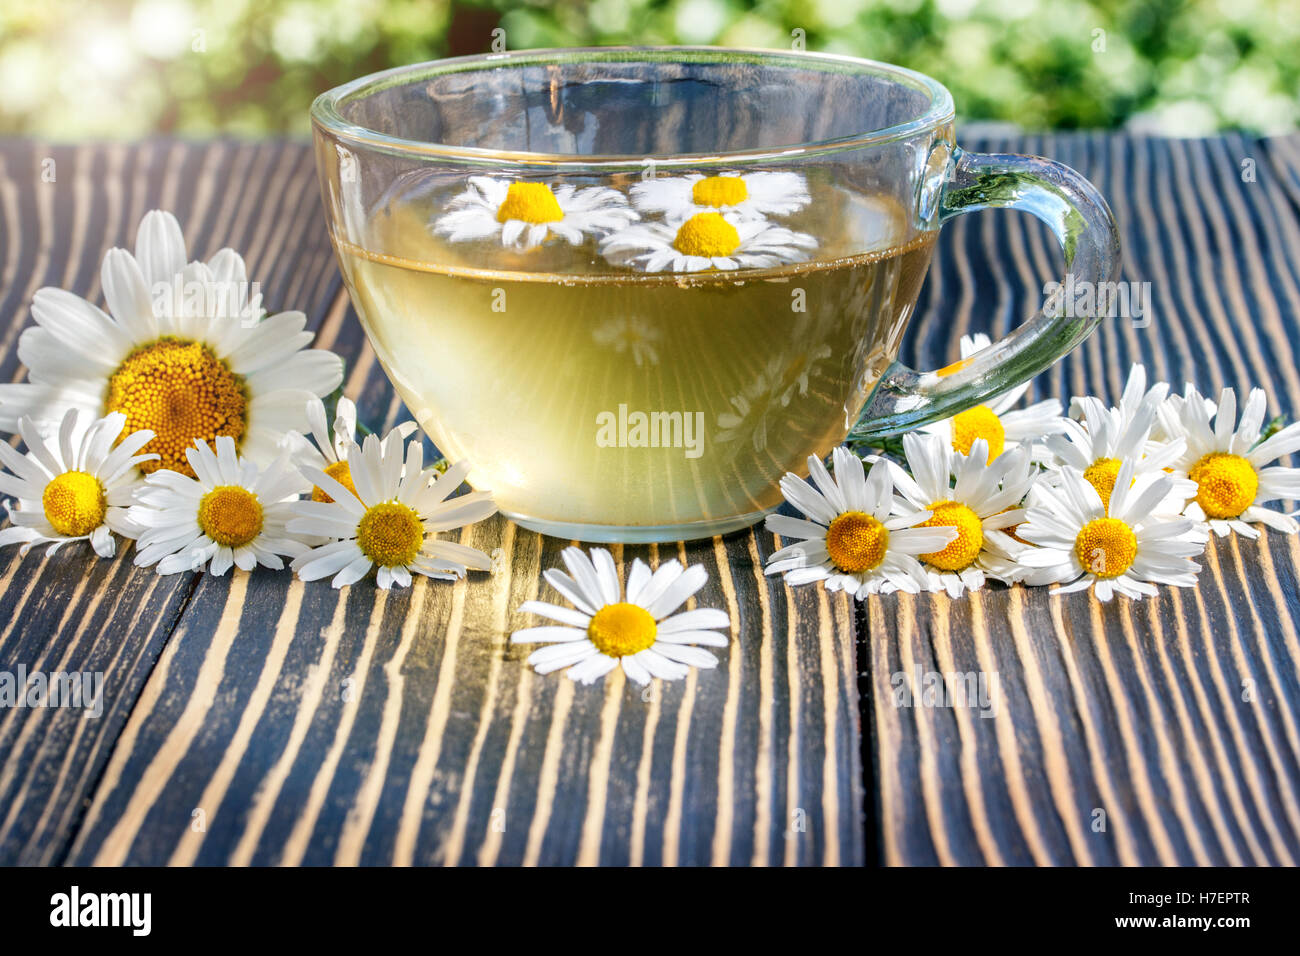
[586, 395]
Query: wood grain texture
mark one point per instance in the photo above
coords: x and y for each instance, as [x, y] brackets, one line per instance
[1152, 732]
[299, 724]
[315, 726]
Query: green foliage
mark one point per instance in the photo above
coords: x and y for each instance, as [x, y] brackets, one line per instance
[74, 68]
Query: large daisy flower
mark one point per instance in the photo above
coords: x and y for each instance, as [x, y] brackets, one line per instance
[999, 423]
[748, 195]
[977, 498]
[77, 488]
[390, 519]
[183, 352]
[637, 629]
[1107, 437]
[1126, 549]
[524, 215]
[1228, 462]
[850, 539]
[328, 450]
[707, 240]
[231, 513]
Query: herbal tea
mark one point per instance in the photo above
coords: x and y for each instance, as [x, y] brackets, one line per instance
[633, 399]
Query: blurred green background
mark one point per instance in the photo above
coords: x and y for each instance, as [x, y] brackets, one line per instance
[127, 68]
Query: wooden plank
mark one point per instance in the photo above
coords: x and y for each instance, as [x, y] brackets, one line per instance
[1176, 718]
[309, 725]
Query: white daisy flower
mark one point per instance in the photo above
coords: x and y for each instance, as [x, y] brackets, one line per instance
[390, 519]
[637, 629]
[76, 488]
[748, 195]
[977, 498]
[1106, 437]
[850, 539]
[1227, 462]
[1126, 550]
[328, 451]
[185, 353]
[707, 240]
[231, 513]
[524, 215]
[998, 423]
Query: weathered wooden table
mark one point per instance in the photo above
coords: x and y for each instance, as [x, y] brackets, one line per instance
[255, 719]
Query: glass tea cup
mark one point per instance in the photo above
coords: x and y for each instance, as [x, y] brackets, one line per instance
[634, 287]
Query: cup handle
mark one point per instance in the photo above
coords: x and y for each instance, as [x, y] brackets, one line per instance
[904, 399]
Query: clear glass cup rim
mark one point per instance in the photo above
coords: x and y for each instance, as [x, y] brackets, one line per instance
[327, 116]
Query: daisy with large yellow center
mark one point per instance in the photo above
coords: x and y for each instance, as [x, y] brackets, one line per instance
[850, 539]
[705, 238]
[185, 351]
[1125, 548]
[977, 500]
[520, 216]
[745, 195]
[720, 191]
[975, 423]
[71, 487]
[962, 551]
[181, 391]
[74, 503]
[638, 628]
[707, 235]
[1231, 464]
[856, 542]
[1226, 484]
[1106, 546]
[623, 629]
[1102, 439]
[387, 517]
[232, 514]
[390, 534]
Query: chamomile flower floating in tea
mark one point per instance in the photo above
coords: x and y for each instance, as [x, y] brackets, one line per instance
[638, 629]
[707, 240]
[1126, 549]
[850, 539]
[231, 513]
[977, 498]
[390, 520]
[1107, 437]
[184, 352]
[330, 451]
[1227, 462]
[74, 488]
[999, 423]
[523, 215]
[748, 195]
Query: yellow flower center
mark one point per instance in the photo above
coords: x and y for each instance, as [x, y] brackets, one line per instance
[978, 422]
[341, 473]
[530, 202]
[230, 515]
[719, 191]
[622, 629]
[1226, 484]
[1106, 547]
[74, 503]
[963, 549]
[181, 391]
[390, 534]
[1101, 474]
[707, 234]
[856, 542]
